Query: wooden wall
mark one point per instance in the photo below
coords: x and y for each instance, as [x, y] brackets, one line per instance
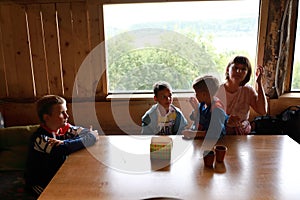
[43, 44]
[113, 117]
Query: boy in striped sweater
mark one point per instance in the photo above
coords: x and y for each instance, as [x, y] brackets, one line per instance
[54, 140]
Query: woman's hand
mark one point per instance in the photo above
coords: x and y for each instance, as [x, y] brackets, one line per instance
[259, 73]
[260, 105]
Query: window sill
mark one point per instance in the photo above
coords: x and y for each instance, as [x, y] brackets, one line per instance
[144, 97]
[290, 95]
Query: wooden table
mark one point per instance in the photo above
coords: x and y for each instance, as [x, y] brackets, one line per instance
[119, 167]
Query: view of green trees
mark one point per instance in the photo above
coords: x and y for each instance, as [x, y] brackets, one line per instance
[179, 57]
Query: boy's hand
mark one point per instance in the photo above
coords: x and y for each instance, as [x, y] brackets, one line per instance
[194, 103]
[94, 132]
[54, 142]
[190, 134]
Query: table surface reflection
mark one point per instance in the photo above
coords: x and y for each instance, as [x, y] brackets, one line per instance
[119, 167]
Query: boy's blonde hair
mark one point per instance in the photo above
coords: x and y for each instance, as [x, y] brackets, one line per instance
[206, 83]
[45, 104]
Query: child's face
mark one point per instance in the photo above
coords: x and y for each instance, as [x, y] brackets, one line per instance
[164, 98]
[58, 118]
[201, 95]
[237, 72]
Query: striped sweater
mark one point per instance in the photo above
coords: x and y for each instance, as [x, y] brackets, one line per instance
[44, 160]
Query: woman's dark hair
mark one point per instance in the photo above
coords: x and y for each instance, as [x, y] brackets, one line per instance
[244, 61]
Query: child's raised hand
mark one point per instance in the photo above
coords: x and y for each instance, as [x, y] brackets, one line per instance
[194, 102]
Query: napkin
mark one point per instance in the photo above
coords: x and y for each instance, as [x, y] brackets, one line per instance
[160, 147]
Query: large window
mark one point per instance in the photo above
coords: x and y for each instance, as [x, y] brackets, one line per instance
[176, 42]
[296, 67]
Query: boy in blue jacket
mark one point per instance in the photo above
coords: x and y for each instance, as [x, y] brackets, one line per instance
[54, 140]
[208, 115]
[163, 118]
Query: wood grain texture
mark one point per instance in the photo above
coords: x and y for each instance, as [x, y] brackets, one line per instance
[82, 49]
[66, 46]
[255, 167]
[37, 42]
[3, 79]
[54, 67]
[16, 52]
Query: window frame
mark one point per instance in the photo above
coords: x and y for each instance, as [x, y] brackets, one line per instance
[293, 28]
[141, 94]
[261, 41]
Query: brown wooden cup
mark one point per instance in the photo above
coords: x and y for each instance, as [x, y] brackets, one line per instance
[220, 151]
[209, 158]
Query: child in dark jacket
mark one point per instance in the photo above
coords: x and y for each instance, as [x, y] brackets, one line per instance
[208, 115]
[54, 140]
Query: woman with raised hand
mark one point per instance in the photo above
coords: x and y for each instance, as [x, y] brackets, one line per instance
[238, 97]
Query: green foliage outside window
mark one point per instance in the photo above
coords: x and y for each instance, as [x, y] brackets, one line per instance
[136, 69]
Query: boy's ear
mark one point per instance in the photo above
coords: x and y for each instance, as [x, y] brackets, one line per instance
[155, 98]
[46, 117]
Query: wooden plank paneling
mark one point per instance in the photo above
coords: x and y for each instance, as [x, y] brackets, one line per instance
[66, 46]
[13, 117]
[16, 52]
[8, 46]
[94, 30]
[37, 50]
[37, 1]
[96, 38]
[52, 49]
[22, 53]
[3, 83]
[56, 54]
[80, 35]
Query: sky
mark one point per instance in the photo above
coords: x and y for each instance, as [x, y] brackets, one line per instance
[124, 15]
